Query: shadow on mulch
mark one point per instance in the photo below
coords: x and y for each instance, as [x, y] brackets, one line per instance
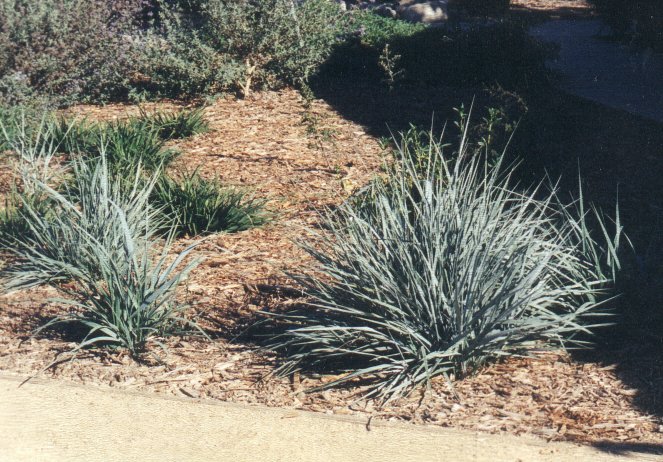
[619, 157]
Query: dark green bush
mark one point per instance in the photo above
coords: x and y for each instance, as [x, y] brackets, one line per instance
[179, 61]
[126, 143]
[131, 143]
[76, 136]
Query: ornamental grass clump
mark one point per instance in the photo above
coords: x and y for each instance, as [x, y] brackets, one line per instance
[450, 268]
[128, 144]
[176, 125]
[32, 151]
[196, 205]
[74, 136]
[101, 249]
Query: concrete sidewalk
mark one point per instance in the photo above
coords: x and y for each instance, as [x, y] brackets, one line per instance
[610, 73]
[55, 421]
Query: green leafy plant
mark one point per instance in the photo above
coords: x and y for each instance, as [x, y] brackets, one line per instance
[448, 270]
[199, 206]
[67, 51]
[126, 138]
[376, 31]
[130, 143]
[389, 64]
[176, 125]
[120, 281]
[179, 61]
[74, 136]
[209, 46]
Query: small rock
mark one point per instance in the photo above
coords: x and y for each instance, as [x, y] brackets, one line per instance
[386, 11]
[456, 407]
[427, 12]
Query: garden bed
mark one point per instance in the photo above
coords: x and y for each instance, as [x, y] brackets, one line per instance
[302, 158]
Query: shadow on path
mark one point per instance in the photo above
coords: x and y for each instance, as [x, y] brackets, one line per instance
[593, 66]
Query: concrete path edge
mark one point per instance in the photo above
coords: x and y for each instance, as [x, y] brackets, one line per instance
[50, 420]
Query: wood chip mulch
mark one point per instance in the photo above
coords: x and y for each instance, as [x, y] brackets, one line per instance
[300, 160]
[554, 7]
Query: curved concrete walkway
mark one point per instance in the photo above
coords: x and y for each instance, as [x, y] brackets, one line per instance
[610, 73]
[55, 421]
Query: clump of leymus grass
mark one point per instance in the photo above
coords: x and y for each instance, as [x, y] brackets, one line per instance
[197, 205]
[449, 268]
[103, 242]
[33, 152]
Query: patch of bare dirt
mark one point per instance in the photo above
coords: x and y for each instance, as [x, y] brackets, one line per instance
[301, 159]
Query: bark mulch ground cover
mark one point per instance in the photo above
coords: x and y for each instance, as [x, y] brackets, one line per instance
[302, 158]
[553, 7]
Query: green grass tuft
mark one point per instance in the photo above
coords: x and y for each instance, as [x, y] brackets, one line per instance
[126, 144]
[199, 206]
[176, 125]
[129, 144]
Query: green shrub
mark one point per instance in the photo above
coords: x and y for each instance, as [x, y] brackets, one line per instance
[178, 61]
[199, 206]
[121, 282]
[377, 31]
[214, 45]
[141, 137]
[67, 50]
[128, 144]
[74, 136]
[447, 271]
[276, 40]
